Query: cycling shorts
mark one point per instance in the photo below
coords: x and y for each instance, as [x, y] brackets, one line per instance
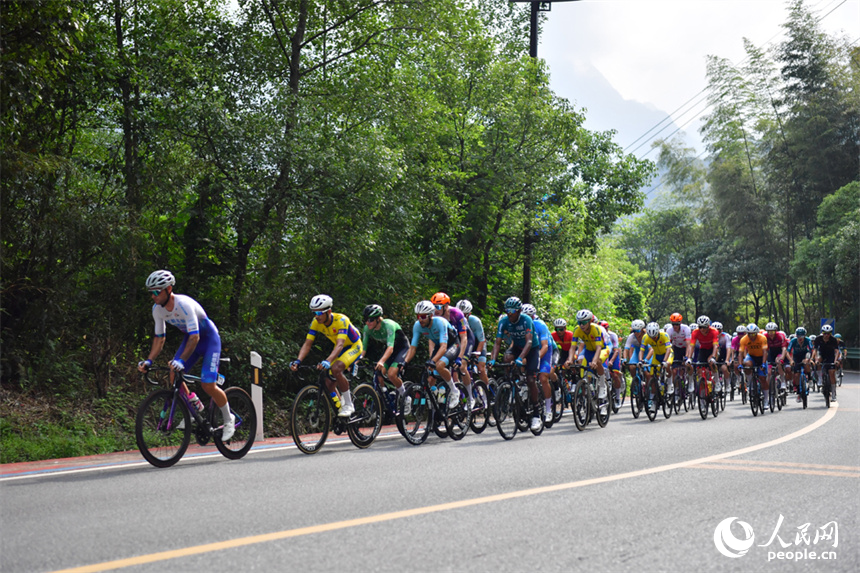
[350, 354]
[451, 354]
[615, 364]
[657, 358]
[757, 360]
[532, 358]
[773, 354]
[722, 354]
[483, 356]
[679, 353]
[398, 356]
[208, 347]
[546, 362]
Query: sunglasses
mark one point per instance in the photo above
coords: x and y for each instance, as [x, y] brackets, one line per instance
[438, 306]
[637, 330]
[422, 316]
[509, 311]
[156, 292]
[320, 312]
[583, 322]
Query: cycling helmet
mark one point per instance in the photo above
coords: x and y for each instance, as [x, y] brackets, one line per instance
[440, 298]
[604, 324]
[793, 336]
[559, 323]
[637, 324]
[752, 328]
[676, 317]
[529, 310]
[826, 329]
[811, 338]
[837, 335]
[770, 326]
[718, 325]
[584, 315]
[800, 331]
[741, 329]
[320, 302]
[464, 306]
[372, 311]
[424, 307]
[160, 280]
[514, 304]
[703, 321]
[653, 330]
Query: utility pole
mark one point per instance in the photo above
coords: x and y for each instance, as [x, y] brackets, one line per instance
[529, 238]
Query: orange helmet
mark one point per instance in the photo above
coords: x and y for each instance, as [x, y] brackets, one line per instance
[676, 317]
[440, 298]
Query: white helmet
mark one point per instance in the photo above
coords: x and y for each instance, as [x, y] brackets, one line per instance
[559, 323]
[529, 310]
[703, 321]
[160, 280]
[652, 330]
[826, 328]
[770, 326]
[741, 329]
[320, 302]
[637, 324]
[464, 306]
[424, 307]
[584, 315]
[752, 328]
[718, 325]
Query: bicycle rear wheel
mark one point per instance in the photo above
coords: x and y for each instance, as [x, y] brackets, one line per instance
[604, 405]
[242, 408]
[415, 426]
[492, 389]
[481, 413]
[703, 398]
[635, 397]
[504, 410]
[457, 419]
[803, 388]
[364, 425]
[159, 439]
[557, 402]
[310, 419]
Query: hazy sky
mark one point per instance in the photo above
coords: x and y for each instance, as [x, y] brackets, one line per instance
[632, 62]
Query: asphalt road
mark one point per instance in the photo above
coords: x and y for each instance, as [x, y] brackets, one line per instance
[635, 496]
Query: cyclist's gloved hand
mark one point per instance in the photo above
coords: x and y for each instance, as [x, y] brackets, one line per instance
[430, 363]
[145, 364]
[458, 360]
[688, 361]
[295, 364]
[325, 364]
[492, 362]
[519, 361]
[177, 364]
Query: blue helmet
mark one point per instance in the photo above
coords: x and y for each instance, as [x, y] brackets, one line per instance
[513, 303]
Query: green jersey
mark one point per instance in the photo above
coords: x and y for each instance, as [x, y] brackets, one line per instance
[388, 333]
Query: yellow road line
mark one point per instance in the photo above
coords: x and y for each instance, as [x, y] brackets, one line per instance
[278, 535]
[792, 464]
[737, 468]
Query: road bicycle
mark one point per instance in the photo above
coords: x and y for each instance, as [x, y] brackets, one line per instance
[586, 401]
[826, 387]
[166, 419]
[662, 399]
[311, 417]
[622, 389]
[802, 383]
[638, 401]
[756, 396]
[427, 405]
[722, 393]
[705, 393]
[513, 410]
[482, 411]
[778, 394]
[681, 397]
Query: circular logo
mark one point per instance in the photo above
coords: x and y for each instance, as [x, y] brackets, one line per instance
[728, 544]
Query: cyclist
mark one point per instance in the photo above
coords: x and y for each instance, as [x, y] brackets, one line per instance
[799, 351]
[477, 328]
[442, 353]
[201, 340]
[841, 342]
[723, 342]
[633, 345]
[546, 352]
[614, 362]
[442, 304]
[825, 350]
[679, 334]
[524, 348]
[708, 344]
[563, 339]
[777, 349]
[658, 344]
[592, 339]
[734, 349]
[347, 348]
[389, 333]
[752, 348]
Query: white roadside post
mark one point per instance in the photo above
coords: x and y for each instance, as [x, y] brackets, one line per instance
[257, 393]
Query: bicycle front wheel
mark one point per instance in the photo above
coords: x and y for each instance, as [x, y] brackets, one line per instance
[245, 419]
[457, 419]
[581, 404]
[504, 410]
[364, 425]
[703, 399]
[481, 413]
[415, 426]
[161, 438]
[310, 419]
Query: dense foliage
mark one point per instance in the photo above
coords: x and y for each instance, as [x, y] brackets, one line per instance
[766, 228]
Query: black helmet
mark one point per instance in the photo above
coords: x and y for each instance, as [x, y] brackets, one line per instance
[372, 311]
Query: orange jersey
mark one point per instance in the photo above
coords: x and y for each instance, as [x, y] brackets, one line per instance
[754, 347]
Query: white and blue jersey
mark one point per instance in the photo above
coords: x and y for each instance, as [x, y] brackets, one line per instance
[189, 317]
[439, 331]
[477, 328]
[542, 333]
[517, 331]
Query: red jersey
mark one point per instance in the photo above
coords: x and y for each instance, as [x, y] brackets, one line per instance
[564, 341]
[706, 338]
[778, 340]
